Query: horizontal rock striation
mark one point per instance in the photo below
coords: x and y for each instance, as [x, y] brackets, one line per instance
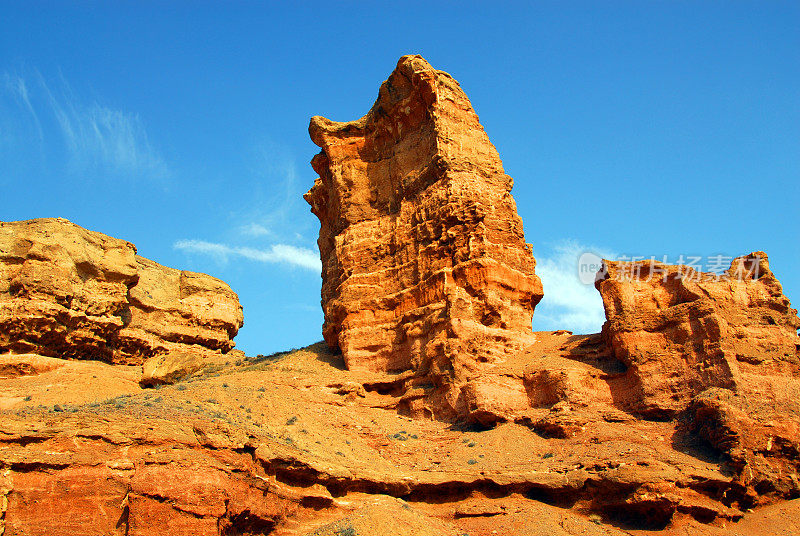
[425, 265]
[301, 455]
[73, 293]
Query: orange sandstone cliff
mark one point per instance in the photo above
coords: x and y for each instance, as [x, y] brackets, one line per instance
[425, 265]
[69, 292]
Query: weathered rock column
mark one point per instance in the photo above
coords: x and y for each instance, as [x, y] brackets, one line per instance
[424, 262]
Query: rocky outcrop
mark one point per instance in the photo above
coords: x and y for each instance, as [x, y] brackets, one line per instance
[85, 450]
[756, 431]
[170, 368]
[425, 265]
[171, 309]
[681, 332]
[73, 293]
[720, 350]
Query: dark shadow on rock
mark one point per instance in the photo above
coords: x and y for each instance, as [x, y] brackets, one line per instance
[324, 354]
[686, 441]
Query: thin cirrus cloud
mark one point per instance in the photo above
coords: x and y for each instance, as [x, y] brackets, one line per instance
[274, 254]
[276, 204]
[17, 88]
[568, 303]
[274, 215]
[94, 137]
[255, 230]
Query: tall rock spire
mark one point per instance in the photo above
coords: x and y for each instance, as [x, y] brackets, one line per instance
[424, 262]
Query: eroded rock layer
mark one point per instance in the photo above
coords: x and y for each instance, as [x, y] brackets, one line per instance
[69, 292]
[318, 450]
[680, 331]
[425, 265]
[724, 348]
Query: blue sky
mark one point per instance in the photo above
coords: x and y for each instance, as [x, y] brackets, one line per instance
[630, 128]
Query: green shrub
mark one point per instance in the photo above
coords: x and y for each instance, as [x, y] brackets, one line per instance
[346, 531]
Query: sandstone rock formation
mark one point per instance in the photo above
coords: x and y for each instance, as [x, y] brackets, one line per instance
[682, 417]
[72, 293]
[280, 447]
[166, 369]
[725, 349]
[680, 332]
[425, 265]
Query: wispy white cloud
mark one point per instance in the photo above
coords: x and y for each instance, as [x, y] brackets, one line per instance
[255, 230]
[276, 253]
[96, 137]
[277, 199]
[104, 138]
[17, 87]
[568, 303]
[267, 229]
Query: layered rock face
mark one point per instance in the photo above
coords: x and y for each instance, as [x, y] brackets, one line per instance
[425, 265]
[722, 347]
[681, 332]
[69, 292]
[317, 450]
